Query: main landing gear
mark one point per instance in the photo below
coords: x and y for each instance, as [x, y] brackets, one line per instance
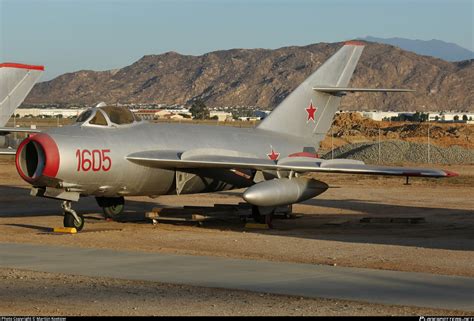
[71, 218]
[112, 206]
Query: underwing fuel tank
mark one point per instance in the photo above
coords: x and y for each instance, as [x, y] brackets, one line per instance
[284, 191]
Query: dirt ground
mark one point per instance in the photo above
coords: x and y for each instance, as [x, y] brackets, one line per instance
[327, 231]
[39, 293]
[353, 128]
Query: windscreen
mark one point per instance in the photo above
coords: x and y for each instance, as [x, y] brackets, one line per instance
[119, 115]
[84, 116]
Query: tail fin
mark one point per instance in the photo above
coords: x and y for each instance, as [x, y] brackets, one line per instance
[307, 112]
[16, 82]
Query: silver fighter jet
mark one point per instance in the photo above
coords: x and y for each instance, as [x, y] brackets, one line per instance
[110, 154]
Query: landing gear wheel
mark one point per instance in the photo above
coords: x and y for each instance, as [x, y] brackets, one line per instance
[113, 211]
[112, 206]
[70, 221]
[71, 218]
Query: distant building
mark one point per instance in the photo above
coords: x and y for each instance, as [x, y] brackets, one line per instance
[163, 114]
[221, 115]
[178, 110]
[454, 116]
[48, 112]
[379, 115]
[244, 118]
[432, 115]
[177, 117]
[146, 114]
[150, 114]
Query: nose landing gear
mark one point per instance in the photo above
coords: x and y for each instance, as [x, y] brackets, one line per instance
[71, 218]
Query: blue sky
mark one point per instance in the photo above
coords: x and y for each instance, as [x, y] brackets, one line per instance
[68, 35]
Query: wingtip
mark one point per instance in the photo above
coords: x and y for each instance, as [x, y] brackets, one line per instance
[450, 173]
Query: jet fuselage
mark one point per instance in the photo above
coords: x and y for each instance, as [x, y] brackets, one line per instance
[92, 160]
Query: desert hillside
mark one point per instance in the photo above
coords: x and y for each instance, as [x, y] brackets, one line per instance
[261, 77]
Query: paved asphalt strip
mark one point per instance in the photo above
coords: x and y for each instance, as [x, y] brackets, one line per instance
[307, 280]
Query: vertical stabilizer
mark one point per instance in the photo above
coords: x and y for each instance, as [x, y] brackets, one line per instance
[307, 112]
[16, 81]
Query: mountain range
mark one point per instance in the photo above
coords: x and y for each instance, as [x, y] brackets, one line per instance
[435, 48]
[264, 77]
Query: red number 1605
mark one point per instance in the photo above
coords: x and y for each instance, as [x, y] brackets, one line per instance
[95, 160]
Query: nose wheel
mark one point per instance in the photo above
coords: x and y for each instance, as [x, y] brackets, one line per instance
[71, 218]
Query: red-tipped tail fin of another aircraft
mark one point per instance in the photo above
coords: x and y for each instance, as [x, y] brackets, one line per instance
[16, 82]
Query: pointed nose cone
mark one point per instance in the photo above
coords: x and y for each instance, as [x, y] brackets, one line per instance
[283, 191]
[251, 196]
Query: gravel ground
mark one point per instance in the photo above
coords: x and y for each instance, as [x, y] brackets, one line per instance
[396, 151]
[39, 293]
[328, 231]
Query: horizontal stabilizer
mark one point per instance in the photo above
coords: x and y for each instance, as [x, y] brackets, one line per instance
[340, 91]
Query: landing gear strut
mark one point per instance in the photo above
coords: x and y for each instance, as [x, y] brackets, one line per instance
[71, 218]
[112, 206]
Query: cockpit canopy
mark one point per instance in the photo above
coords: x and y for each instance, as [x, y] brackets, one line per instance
[109, 116]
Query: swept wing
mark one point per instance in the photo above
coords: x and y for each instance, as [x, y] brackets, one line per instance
[190, 159]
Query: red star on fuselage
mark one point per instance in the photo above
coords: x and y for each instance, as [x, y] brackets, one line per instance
[273, 155]
[311, 110]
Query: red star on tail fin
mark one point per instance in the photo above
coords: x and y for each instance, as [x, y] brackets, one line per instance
[311, 111]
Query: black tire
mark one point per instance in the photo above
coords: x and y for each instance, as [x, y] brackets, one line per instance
[70, 221]
[111, 206]
[113, 211]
